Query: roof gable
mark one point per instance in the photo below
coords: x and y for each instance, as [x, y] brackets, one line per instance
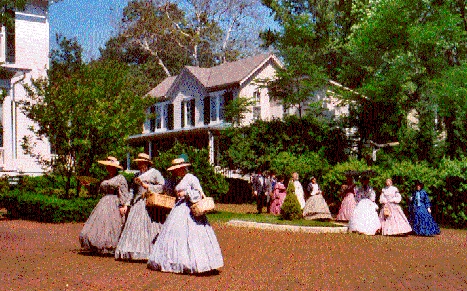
[218, 76]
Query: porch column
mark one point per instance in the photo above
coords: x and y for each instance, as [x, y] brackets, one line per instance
[211, 147]
[128, 161]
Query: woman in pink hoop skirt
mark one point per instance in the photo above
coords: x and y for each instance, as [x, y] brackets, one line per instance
[348, 204]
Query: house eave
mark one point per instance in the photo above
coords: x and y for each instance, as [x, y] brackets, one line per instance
[177, 132]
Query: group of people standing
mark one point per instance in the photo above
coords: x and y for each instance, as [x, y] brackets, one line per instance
[359, 208]
[271, 192]
[169, 240]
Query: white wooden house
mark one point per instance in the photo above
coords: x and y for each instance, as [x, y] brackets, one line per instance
[190, 106]
[24, 54]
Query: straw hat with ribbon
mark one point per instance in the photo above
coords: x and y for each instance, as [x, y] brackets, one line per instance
[111, 161]
[178, 163]
[143, 157]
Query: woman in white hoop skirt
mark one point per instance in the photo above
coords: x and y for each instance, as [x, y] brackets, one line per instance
[315, 206]
[365, 218]
[186, 244]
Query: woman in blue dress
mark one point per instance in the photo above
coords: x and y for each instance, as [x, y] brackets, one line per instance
[102, 230]
[420, 213]
[186, 244]
[140, 228]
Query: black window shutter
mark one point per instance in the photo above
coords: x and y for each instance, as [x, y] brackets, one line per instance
[170, 116]
[228, 97]
[192, 111]
[152, 118]
[207, 110]
[10, 53]
[183, 114]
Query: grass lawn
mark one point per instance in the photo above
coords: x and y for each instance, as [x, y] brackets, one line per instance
[225, 216]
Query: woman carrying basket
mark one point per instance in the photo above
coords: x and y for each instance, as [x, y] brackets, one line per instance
[102, 230]
[141, 229]
[186, 243]
[393, 220]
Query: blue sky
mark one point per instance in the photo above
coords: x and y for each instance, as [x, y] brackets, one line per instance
[92, 22]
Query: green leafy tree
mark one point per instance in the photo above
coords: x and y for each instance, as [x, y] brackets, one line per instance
[236, 110]
[392, 56]
[86, 115]
[310, 41]
[7, 8]
[450, 91]
[259, 144]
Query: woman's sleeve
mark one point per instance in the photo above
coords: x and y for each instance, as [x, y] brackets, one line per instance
[195, 192]
[426, 199]
[382, 198]
[190, 184]
[124, 195]
[156, 181]
[397, 196]
[106, 187]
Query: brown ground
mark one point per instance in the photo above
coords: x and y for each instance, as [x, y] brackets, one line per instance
[38, 256]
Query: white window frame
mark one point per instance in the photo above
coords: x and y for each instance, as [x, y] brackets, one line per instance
[185, 109]
[161, 111]
[2, 44]
[257, 107]
[216, 113]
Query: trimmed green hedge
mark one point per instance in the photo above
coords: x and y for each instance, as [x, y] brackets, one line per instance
[43, 208]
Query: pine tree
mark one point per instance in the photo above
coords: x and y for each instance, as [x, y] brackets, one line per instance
[290, 209]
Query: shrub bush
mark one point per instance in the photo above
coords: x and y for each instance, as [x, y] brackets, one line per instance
[290, 209]
[37, 207]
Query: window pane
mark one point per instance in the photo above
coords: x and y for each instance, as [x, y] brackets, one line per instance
[158, 117]
[192, 111]
[221, 107]
[188, 110]
[213, 108]
[256, 112]
[165, 116]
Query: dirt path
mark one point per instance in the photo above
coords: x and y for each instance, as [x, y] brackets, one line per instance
[37, 256]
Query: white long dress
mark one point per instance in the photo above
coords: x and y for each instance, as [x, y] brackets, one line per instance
[186, 244]
[365, 216]
[299, 193]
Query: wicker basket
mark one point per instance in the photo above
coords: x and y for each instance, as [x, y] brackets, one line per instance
[386, 211]
[159, 200]
[203, 206]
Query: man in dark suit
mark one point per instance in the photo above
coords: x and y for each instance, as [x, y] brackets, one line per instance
[259, 190]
